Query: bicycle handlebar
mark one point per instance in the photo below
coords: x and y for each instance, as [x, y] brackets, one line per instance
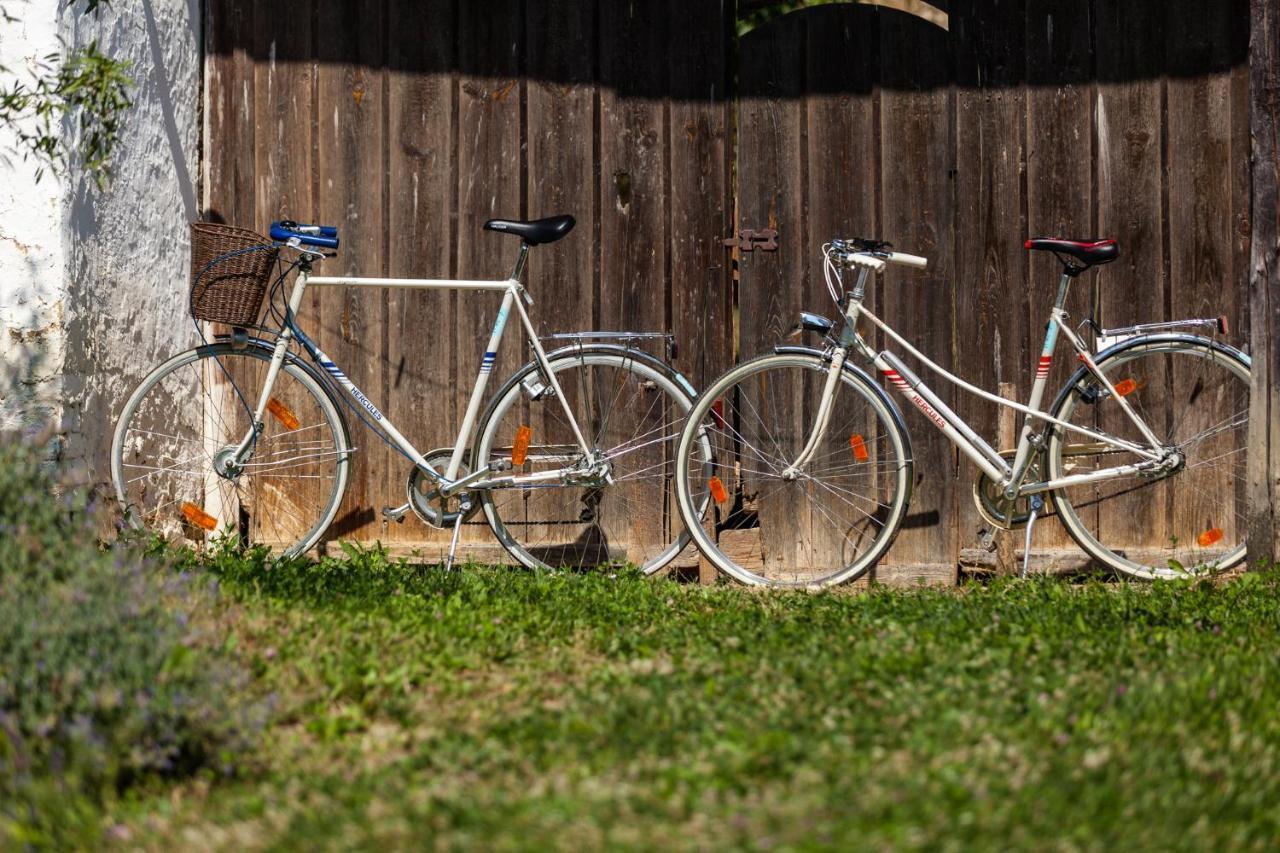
[875, 261]
[907, 260]
[874, 253]
[322, 236]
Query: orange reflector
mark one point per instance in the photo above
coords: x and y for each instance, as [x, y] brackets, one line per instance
[199, 517]
[1125, 387]
[1210, 536]
[859, 448]
[717, 413]
[286, 418]
[717, 490]
[520, 447]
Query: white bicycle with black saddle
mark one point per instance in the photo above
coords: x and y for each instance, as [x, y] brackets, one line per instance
[571, 460]
[1142, 451]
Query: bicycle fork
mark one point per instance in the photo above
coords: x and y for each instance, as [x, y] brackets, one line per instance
[792, 471]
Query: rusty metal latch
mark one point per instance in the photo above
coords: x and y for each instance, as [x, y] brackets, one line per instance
[748, 240]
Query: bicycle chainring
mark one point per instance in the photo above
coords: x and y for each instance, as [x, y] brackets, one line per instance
[989, 498]
[422, 490]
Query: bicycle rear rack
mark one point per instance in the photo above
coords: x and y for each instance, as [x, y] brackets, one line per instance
[1104, 338]
[668, 339]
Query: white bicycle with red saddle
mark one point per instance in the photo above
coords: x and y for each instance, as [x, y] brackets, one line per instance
[812, 468]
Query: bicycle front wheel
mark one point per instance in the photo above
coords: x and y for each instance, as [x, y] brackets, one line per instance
[827, 523]
[1193, 394]
[614, 507]
[174, 460]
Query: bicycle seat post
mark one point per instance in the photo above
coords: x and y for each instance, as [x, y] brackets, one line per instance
[520, 261]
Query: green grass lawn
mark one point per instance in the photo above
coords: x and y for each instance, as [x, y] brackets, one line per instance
[516, 710]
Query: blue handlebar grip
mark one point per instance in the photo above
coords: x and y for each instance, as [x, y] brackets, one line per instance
[326, 239]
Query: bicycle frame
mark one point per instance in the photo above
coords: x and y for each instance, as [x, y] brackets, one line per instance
[448, 481]
[1010, 477]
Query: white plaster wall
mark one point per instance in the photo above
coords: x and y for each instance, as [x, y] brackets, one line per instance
[32, 295]
[126, 249]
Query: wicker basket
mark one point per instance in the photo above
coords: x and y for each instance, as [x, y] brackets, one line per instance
[230, 271]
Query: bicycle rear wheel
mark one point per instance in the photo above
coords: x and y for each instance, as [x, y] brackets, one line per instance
[1194, 395]
[826, 525]
[173, 455]
[619, 512]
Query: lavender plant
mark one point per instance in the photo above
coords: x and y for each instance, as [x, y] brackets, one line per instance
[107, 674]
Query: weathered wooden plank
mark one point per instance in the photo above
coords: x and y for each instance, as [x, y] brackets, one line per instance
[700, 285]
[229, 162]
[993, 343]
[770, 182]
[771, 161]
[633, 176]
[1054, 561]
[1060, 171]
[283, 107]
[1264, 280]
[560, 58]
[1129, 177]
[633, 206]
[229, 165]
[489, 166]
[351, 165]
[917, 175]
[699, 200]
[422, 395]
[840, 137]
[1206, 157]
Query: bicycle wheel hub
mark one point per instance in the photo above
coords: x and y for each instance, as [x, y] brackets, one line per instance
[597, 475]
[226, 465]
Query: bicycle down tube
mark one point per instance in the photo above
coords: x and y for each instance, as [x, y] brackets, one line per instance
[513, 295]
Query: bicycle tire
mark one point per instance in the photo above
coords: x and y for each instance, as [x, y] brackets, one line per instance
[1197, 401]
[771, 531]
[304, 436]
[566, 525]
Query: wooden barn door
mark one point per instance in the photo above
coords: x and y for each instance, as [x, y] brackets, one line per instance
[956, 136]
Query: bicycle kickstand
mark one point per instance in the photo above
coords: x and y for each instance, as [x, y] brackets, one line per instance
[1037, 504]
[453, 543]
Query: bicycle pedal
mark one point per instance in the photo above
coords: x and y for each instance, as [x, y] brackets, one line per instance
[395, 513]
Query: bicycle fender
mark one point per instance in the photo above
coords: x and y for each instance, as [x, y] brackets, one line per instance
[866, 380]
[618, 349]
[1142, 340]
[293, 358]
